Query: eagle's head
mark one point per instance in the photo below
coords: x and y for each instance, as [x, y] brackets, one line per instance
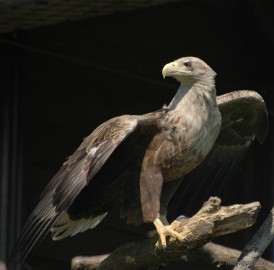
[188, 69]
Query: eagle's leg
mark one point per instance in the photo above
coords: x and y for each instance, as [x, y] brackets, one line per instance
[153, 233]
[164, 231]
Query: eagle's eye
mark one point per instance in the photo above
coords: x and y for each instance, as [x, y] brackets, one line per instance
[187, 64]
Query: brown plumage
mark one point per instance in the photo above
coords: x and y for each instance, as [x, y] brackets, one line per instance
[135, 161]
[244, 117]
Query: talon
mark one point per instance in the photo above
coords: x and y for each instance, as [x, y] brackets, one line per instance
[163, 232]
[155, 252]
[175, 225]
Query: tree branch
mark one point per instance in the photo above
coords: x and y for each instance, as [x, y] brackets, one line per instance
[215, 255]
[211, 221]
[257, 245]
[88, 263]
[210, 255]
[2, 266]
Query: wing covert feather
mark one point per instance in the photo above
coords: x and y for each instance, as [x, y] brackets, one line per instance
[75, 174]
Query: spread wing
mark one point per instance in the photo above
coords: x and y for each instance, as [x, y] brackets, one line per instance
[79, 170]
[244, 117]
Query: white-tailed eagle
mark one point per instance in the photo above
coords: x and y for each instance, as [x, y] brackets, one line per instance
[139, 161]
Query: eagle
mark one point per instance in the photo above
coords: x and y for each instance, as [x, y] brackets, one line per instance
[139, 161]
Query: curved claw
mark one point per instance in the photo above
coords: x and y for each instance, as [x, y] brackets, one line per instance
[163, 232]
[155, 252]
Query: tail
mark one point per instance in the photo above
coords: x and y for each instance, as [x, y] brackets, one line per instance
[65, 226]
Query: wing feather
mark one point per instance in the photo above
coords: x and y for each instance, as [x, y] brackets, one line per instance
[74, 175]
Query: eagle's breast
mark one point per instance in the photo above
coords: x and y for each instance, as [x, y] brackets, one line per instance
[193, 134]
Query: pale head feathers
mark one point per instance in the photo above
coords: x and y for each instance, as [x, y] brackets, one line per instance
[188, 70]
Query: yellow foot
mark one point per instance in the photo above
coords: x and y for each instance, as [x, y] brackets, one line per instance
[166, 231]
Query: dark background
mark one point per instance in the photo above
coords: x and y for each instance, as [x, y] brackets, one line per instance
[59, 81]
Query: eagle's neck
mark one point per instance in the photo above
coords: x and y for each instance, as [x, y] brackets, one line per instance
[189, 92]
[178, 97]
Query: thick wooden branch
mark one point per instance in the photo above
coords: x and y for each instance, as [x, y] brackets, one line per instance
[211, 221]
[87, 263]
[2, 266]
[216, 256]
[257, 245]
[210, 255]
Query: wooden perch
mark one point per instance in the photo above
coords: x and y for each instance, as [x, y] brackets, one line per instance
[87, 263]
[211, 221]
[210, 255]
[216, 256]
[257, 244]
[2, 266]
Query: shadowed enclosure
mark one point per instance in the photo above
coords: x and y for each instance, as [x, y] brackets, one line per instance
[61, 79]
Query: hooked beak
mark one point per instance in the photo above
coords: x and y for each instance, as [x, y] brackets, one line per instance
[174, 69]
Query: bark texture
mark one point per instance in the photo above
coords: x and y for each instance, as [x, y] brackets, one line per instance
[211, 221]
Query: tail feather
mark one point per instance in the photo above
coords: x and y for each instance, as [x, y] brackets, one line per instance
[65, 226]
